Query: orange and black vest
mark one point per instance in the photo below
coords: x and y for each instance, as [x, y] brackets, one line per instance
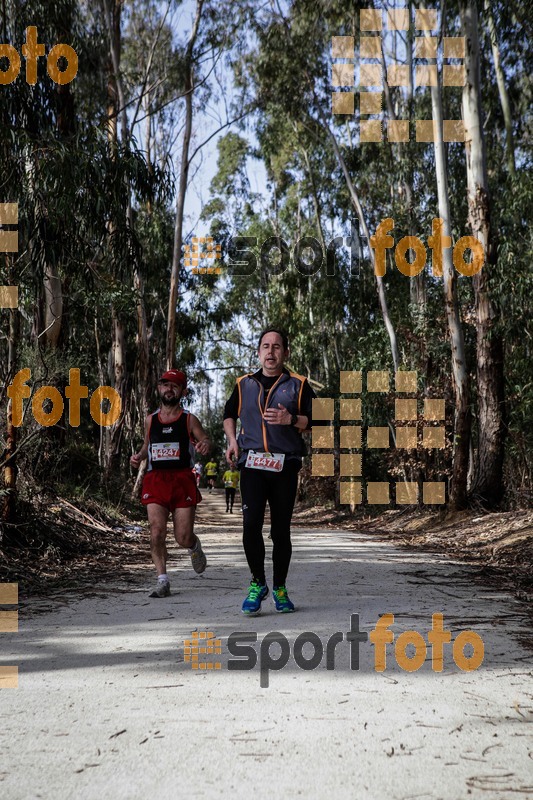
[255, 433]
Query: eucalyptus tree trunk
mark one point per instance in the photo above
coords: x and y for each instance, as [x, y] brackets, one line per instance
[382, 297]
[354, 197]
[115, 109]
[188, 67]
[502, 88]
[53, 305]
[143, 344]
[119, 377]
[66, 127]
[462, 414]
[10, 470]
[488, 483]
[417, 283]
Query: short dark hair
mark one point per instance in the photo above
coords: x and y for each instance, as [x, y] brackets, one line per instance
[279, 331]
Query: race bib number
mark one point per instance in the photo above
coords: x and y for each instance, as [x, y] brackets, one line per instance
[272, 462]
[165, 451]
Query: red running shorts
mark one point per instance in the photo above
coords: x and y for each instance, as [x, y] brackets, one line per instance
[170, 488]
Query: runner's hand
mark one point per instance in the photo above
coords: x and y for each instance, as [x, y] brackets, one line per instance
[232, 452]
[136, 460]
[203, 447]
[279, 416]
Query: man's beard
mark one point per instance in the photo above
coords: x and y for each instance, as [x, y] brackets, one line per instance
[170, 401]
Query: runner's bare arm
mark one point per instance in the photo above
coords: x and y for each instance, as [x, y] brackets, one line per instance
[230, 429]
[203, 442]
[137, 459]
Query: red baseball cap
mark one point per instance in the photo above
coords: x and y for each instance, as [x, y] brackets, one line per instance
[174, 376]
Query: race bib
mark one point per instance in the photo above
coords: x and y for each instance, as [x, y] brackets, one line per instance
[272, 462]
[165, 451]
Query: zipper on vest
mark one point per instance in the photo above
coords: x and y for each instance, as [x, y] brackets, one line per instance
[263, 425]
[260, 405]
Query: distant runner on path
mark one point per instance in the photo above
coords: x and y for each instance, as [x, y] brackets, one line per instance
[198, 469]
[211, 469]
[231, 481]
[274, 407]
[169, 486]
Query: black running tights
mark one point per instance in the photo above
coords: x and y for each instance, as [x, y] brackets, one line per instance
[278, 489]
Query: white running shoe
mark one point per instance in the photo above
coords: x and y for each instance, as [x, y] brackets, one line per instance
[162, 589]
[198, 559]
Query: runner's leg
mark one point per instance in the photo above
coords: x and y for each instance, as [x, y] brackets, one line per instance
[183, 519]
[281, 497]
[158, 517]
[254, 497]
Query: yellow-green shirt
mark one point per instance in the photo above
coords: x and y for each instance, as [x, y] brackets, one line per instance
[231, 479]
[211, 469]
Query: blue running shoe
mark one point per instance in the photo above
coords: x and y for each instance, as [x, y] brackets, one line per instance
[282, 600]
[256, 594]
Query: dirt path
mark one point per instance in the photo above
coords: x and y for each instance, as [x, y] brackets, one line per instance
[107, 707]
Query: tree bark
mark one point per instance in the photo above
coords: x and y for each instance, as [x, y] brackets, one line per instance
[502, 89]
[10, 470]
[488, 483]
[182, 190]
[143, 348]
[417, 283]
[379, 280]
[115, 108]
[53, 305]
[66, 128]
[462, 416]
[118, 357]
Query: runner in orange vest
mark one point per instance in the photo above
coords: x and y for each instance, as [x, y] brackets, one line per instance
[274, 407]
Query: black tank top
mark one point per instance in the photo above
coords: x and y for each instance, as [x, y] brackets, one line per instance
[169, 444]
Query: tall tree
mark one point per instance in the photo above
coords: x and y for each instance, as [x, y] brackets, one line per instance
[502, 87]
[189, 86]
[488, 484]
[462, 412]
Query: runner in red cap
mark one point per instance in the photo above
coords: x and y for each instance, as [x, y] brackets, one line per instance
[172, 437]
[174, 376]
